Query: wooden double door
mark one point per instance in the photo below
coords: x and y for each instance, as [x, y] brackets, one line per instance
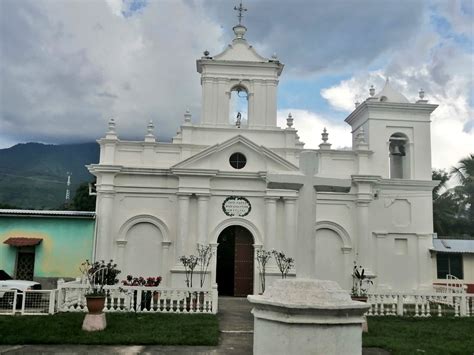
[235, 262]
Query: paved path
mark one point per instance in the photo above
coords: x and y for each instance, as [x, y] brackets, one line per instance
[236, 337]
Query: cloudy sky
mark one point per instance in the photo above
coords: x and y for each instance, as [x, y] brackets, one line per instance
[69, 65]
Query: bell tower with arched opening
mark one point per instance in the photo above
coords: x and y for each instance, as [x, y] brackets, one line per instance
[397, 132]
[239, 86]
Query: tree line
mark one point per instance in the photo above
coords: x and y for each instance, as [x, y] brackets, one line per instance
[453, 208]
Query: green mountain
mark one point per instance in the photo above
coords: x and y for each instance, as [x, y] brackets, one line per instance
[34, 175]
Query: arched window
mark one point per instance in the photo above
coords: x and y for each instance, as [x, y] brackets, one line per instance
[239, 104]
[398, 147]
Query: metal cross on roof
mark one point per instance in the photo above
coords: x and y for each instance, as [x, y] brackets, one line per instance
[240, 9]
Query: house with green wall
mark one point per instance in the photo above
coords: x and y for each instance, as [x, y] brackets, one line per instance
[45, 245]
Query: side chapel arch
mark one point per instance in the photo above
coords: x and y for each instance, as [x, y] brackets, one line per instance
[162, 252]
[340, 231]
[333, 246]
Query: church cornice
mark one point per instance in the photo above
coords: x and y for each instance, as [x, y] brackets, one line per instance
[390, 106]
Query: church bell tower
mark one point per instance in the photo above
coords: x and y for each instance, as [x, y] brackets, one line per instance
[239, 72]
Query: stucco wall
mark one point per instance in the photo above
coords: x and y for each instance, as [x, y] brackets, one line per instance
[66, 243]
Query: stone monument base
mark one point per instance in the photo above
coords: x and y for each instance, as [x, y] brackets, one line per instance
[94, 322]
[304, 316]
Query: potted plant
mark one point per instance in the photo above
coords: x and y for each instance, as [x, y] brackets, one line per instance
[98, 275]
[263, 256]
[360, 284]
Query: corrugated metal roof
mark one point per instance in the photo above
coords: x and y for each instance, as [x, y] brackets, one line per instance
[83, 214]
[453, 245]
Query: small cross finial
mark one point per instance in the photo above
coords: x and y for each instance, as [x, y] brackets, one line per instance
[240, 9]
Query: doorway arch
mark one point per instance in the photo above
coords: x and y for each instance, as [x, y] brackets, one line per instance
[235, 261]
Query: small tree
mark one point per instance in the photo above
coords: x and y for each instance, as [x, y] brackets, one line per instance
[205, 254]
[284, 263]
[263, 256]
[189, 263]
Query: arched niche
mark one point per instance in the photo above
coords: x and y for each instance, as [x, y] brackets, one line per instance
[333, 253]
[143, 246]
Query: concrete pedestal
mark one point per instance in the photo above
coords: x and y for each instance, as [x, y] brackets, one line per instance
[305, 316]
[94, 322]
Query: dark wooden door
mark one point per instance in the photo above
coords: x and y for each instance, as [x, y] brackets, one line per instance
[235, 262]
[25, 266]
[243, 262]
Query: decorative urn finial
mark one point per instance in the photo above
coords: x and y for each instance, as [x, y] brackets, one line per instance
[325, 135]
[111, 125]
[325, 145]
[289, 120]
[421, 94]
[150, 128]
[372, 90]
[187, 116]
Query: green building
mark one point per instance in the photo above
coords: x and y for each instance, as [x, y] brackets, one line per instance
[45, 245]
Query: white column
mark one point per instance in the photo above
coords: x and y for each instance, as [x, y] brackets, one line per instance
[202, 218]
[183, 225]
[270, 223]
[104, 245]
[289, 239]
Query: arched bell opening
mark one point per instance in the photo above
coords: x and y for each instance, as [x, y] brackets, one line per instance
[238, 106]
[399, 156]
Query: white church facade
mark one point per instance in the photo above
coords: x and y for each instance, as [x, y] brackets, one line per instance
[240, 183]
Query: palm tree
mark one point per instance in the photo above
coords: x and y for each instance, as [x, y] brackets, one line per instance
[464, 173]
[445, 207]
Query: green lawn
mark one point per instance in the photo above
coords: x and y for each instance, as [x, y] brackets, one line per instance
[421, 335]
[130, 328]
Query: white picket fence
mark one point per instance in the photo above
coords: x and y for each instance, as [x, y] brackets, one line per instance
[421, 304]
[71, 298]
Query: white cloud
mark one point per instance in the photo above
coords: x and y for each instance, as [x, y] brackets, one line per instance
[68, 67]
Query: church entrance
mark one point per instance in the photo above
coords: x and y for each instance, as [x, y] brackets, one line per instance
[235, 262]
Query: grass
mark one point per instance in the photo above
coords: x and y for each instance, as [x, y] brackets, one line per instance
[447, 335]
[123, 329]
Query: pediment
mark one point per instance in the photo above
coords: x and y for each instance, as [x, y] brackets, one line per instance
[240, 50]
[216, 157]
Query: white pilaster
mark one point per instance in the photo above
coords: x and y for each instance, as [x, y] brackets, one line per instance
[165, 263]
[289, 238]
[183, 225]
[104, 216]
[270, 223]
[202, 218]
